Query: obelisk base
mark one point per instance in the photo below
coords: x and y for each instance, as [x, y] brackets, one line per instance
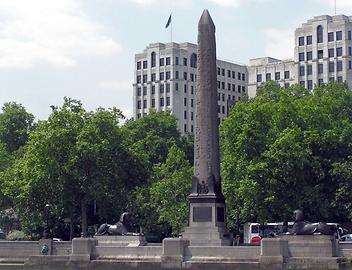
[207, 222]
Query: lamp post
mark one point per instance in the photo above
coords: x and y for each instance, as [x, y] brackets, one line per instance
[46, 233]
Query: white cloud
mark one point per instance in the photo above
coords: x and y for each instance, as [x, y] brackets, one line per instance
[51, 32]
[233, 3]
[164, 3]
[279, 43]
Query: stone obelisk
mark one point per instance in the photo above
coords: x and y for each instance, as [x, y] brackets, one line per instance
[207, 204]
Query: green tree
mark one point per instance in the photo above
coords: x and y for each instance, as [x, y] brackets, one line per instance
[15, 125]
[72, 159]
[280, 150]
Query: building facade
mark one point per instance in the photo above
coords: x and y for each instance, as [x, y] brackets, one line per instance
[165, 74]
[165, 79]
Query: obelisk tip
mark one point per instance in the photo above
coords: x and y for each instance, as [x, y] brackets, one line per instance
[206, 19]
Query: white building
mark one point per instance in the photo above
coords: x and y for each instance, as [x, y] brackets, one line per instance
[165, 79]
[323, 50]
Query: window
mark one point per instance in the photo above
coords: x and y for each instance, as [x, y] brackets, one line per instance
[185, 88]
[339, 66]
[349, 51]
[153, 59]
[139, 65]
[309, 56]
[310, 84]
[301, 71]
[300, 41]
[309, 40]
[301, 56]
[234, 87]
[239, 88]
[218, 96]
[177, 61]
[191, 102]
[223, 72]
[145, 78]
[185, 75]
[259, 77]
[320, 82]
[153, 89]
[191, 89]
[192, 128]
[144, 103]
[229, 73]
[331, 36]
[277, 76]
[223, 97]
[339, 51]
[238, 76]
[167, 88]
[331, 79]
[193, 60]
[349, 64]
[153, 103]
[331, 66]
[184, 101]
[176, 86]
[138, 78]
[287, 85]
[302, 83]
[176, 74]
[138, 104]
[349, 35]
[161, 61]
[223, 109]
[268, 76]
[185, 127]
[168, 61]
[223, 85]
[139, 91]
[320, 54]
[192, 116]
[243, 77]
[192, 77]
[287, 74]
[185, 61]
[229, 86]
[319, 34]
[144, 90]
[219, 71]
[153, 77]
[161, 76]
[218, 84]
[339, 35]
[331, 52]
[138, 115]
[161, 101]
[309, 70]
[320, 68]
[167, 101]
[243, 89]
[167, 74]
[145, 64]
[339, 79]
[233, 74]
[161, 88]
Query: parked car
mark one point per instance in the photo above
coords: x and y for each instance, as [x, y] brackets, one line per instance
[346, 238]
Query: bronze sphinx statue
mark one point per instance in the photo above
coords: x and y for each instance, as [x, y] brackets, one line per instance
[301, 227]
[120, 228]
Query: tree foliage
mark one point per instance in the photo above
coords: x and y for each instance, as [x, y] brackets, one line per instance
[287, 149]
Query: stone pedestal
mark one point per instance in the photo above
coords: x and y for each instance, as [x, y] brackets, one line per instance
[83, 249]
[207, 222]
[173, 252]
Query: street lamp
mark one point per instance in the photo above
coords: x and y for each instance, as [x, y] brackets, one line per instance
[46, 232]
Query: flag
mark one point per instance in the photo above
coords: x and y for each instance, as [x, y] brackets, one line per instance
[168, 22]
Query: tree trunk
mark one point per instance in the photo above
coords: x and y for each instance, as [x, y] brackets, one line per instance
[84, 217]
[72, 227]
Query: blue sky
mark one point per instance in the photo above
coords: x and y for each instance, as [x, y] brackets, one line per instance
[85, 49]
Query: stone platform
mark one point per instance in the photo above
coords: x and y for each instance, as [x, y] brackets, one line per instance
[121, 240]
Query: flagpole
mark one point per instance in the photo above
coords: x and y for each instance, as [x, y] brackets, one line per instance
[171, 30]
[335, 7]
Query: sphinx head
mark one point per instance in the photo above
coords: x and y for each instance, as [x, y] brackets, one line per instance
[298, 215]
